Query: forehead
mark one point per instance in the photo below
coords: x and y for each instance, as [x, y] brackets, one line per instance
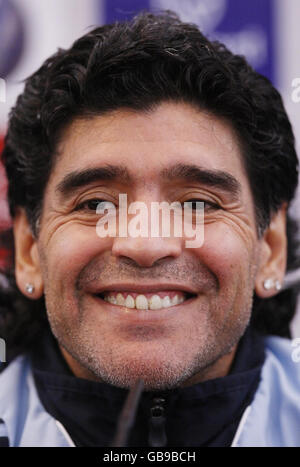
[148, 142]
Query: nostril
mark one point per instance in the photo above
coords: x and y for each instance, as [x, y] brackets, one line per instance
[146, 252]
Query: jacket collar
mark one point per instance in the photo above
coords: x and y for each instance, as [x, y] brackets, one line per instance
[210, 411]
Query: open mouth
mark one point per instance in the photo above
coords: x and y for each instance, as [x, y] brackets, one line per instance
[147, 301]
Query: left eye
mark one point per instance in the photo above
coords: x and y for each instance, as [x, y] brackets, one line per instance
[95, 204]
[198, 204]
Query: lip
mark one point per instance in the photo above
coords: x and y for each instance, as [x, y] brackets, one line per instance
[134, 316]
[142, 289]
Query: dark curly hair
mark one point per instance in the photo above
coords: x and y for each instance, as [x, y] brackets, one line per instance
[139, 64]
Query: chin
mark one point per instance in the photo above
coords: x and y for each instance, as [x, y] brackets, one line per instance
[154, 379]
[157, 372]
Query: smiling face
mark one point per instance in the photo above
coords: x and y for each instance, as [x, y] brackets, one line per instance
[174, 153]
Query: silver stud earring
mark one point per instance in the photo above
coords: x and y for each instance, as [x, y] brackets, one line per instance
[29, 288]
[268, 284]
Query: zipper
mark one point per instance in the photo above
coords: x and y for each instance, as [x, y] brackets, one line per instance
[157, 423]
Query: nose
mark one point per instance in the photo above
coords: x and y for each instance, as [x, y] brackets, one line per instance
[146, 251]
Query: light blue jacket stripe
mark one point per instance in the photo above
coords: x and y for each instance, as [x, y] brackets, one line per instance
[274, 419]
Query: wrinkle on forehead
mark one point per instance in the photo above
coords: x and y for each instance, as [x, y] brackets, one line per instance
[167, 124]
[107, 131]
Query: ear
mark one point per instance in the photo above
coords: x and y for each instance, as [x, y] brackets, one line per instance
[273, 255]
[27, 261]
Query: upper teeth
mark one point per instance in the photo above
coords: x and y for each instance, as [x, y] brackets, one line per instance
[155, 302]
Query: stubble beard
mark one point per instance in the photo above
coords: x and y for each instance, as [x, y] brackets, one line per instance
[161, 369]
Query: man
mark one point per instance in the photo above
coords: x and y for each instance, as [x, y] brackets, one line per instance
[152, 110]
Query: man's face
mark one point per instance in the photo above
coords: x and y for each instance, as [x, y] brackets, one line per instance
[175, 153]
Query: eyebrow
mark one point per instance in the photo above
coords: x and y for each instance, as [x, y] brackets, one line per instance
[187, 172]
[212, 178]
[80, 178]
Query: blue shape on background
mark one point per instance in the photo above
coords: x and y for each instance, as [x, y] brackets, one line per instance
[239, 15]
[11, 36]
[121, 10]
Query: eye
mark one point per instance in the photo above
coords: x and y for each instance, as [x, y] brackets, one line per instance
[198, 204]
[95, 204]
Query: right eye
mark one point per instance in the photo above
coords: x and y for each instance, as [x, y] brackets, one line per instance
[94, 204]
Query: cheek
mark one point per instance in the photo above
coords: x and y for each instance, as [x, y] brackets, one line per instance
[226, 254]
[70, 250]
